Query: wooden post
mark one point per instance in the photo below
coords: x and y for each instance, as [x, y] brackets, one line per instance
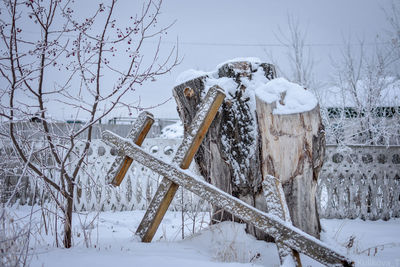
[184, 155]
[270, 224]
[137, 134]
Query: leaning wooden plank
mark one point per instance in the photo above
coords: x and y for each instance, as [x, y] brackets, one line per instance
[184, 155]
[122, 163]
[276, 205]
[270, 224]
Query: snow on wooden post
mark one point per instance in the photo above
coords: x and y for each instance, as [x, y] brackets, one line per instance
[276, 205]
[137, 134]
[293, 146]
[193, 137]
[268, 223]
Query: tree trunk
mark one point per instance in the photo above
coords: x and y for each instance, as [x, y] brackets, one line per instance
[293, 147]
[68, 217]
[230, 154]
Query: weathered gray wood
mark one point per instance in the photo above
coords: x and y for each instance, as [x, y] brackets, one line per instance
[276, 205]
[122, 163]
[229, 155]
[184, 155]
[270, 224]
[293, 147]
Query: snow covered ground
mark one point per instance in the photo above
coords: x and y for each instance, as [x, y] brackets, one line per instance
[110, 241]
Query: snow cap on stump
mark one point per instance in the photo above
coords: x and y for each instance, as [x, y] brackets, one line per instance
[289, 97]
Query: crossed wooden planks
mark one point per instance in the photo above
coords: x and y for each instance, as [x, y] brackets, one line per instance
[183, 157]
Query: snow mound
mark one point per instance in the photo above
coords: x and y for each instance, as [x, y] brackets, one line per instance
[375, 243]
[289, 97]
[229, 242]
[172, 131]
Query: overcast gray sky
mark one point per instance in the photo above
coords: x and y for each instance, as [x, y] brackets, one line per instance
[211, 32]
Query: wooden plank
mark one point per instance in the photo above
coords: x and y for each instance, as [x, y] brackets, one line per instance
[155, 212]
[276, 205]
[184, 155]
[122, 163]
[270, 224]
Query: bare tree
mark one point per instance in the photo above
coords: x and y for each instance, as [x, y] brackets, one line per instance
[367, 81]
[298, 53]
[393, 16]
[366, 111]
[88, 63]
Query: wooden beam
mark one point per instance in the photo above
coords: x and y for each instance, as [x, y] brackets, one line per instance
[184, 155]
[270, 224]
[276, 205]
[137, 134]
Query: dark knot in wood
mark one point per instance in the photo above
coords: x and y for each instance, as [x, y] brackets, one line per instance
[188, 92]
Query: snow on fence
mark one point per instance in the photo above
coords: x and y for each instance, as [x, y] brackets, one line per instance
[360, 182]
[357, 182]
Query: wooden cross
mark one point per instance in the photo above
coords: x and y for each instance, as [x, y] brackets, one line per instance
[183, 157]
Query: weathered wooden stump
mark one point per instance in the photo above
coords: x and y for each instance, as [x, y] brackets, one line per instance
[293, 147]
[230, 155]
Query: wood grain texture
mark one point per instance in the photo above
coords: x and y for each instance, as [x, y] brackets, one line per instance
[293, 147]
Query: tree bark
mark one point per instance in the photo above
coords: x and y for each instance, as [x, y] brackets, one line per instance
[68, 217]
[293, 147]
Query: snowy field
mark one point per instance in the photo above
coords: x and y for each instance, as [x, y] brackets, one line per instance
[110, 241]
